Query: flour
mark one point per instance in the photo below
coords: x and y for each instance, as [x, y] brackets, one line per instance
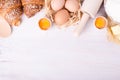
[112, 8]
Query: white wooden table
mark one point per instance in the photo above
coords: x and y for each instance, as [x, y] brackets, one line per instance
[32, 54]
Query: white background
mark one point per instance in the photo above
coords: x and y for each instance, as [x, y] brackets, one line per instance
[32, 54]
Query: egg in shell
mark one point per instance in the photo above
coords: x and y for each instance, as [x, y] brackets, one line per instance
[61, 17]
[72, 5]
[57, 4]
[5, 29]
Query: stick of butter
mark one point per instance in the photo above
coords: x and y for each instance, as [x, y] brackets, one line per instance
[116, 31]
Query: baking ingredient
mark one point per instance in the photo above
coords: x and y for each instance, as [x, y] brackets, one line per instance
[74, 17]
[116, 31]
[5, 29]
[44, 23]
[57, 4]
[11, 10]
[31, 7]
[100, 22]
[61, 17]
[72, 5]
[113, 12]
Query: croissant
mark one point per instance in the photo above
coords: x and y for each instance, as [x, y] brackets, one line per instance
[11, 10]
[31, 7]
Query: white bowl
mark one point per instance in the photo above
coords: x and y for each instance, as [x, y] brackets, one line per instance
[112, 9]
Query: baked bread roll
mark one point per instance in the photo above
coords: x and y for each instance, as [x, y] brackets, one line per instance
[11, 10]
[31, 7]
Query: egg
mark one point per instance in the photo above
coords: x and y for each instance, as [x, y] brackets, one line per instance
[5, 29]
[57, 4]
[44, 23]
[61, 17]
[72, 5]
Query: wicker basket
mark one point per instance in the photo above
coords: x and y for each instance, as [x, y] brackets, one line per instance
[74, 17]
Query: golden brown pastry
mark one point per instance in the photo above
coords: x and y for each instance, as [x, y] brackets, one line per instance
[31, 7]
[11, 10]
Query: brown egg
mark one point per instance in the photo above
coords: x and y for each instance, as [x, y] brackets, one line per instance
[72, 5]
[61, 17]
[5, 29]
[57, 4]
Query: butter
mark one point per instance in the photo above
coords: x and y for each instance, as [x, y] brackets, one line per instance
[116, 31]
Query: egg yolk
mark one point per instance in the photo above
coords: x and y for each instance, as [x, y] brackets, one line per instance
[100, 22]
[44, 24]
